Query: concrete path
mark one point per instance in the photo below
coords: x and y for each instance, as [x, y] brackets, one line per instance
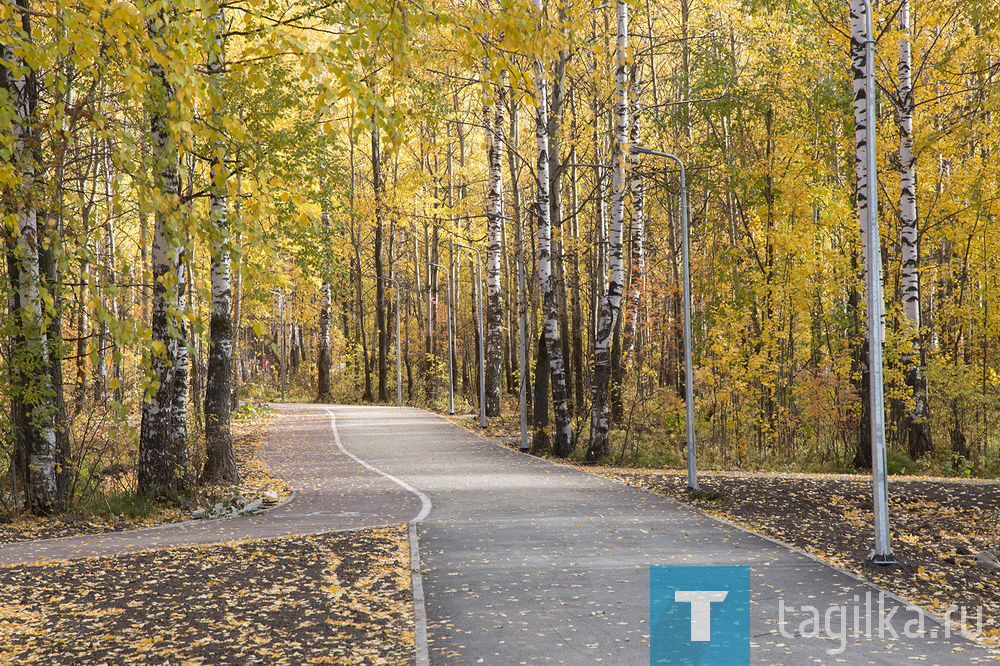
[522, 560]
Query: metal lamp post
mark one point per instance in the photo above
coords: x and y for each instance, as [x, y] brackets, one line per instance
[399, 357]
[688, 383]
[482, 340]
[451, 376]
[882, 554]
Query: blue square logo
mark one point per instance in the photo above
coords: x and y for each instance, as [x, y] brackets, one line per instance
[700, 615]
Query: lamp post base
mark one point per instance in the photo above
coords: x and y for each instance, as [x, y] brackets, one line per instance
[884, 560]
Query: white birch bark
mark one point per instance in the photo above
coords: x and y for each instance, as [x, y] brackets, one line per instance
[859, 33]
[637, 277]
[325, 317]
[611, 305]
[563, 440]
[164, 465]
[494, 121]
[907, 176]
[858, 36]
[220, 459]
[916, 426]
[36, 432]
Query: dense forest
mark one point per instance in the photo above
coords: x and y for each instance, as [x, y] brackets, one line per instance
[211, 204]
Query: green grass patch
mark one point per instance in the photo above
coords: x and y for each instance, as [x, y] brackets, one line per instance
[116, 505]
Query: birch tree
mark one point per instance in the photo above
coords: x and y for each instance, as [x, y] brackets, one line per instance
[859, 34]
[494, 122]
[34, 411]
[220, 460]
[916, 428]
[634, 325]
[325, 317]
[563, 440]
[611, 304]
[164, 465]
[378, 187]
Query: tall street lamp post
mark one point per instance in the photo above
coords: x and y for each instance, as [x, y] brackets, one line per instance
[688, 382]
[882, 554]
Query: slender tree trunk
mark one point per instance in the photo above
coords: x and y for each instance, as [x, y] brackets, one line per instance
[494, 119]
[611, 305]
[862, 456]
[325, 317]
[563, 440]
[916, 421]
[220, 459]
[577, 304]
[164, 465]
[635, 323]
[239, 376]
[380, 323]
[84, 340]
[35, 429]
[540, 414]
[49, 266]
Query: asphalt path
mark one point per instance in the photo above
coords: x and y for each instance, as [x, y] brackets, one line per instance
[527, 561]
[520, 560]
[332, 492]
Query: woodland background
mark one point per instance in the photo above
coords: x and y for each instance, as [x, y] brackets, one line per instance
[300, 149]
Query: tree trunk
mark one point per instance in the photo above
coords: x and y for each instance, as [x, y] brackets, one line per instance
[325, 317]
[635, 324]
[494, 252]
[611, 305]
[862, 455]
[380, 324]
[164, 466]
[916, 420]
[563, 440]
[220, 459]
[540, 413]
[35, 429]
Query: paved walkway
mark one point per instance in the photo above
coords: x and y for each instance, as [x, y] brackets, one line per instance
[332, 492]
[525, 561]
[522, 560]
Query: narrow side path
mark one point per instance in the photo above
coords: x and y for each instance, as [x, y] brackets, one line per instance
[333, 492]
[526, 561]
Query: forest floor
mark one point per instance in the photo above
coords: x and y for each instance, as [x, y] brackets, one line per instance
[111, 515]
[938, 525]
[335, 598]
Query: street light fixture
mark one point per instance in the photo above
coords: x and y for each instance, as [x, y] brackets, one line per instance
[688, 382]
[399, 357]
[451, 375]
[482, 340]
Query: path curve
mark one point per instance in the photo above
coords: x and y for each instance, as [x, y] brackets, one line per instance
[522, 560]
[334, 490]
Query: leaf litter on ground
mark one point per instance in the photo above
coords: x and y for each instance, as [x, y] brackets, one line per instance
[339, 598]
